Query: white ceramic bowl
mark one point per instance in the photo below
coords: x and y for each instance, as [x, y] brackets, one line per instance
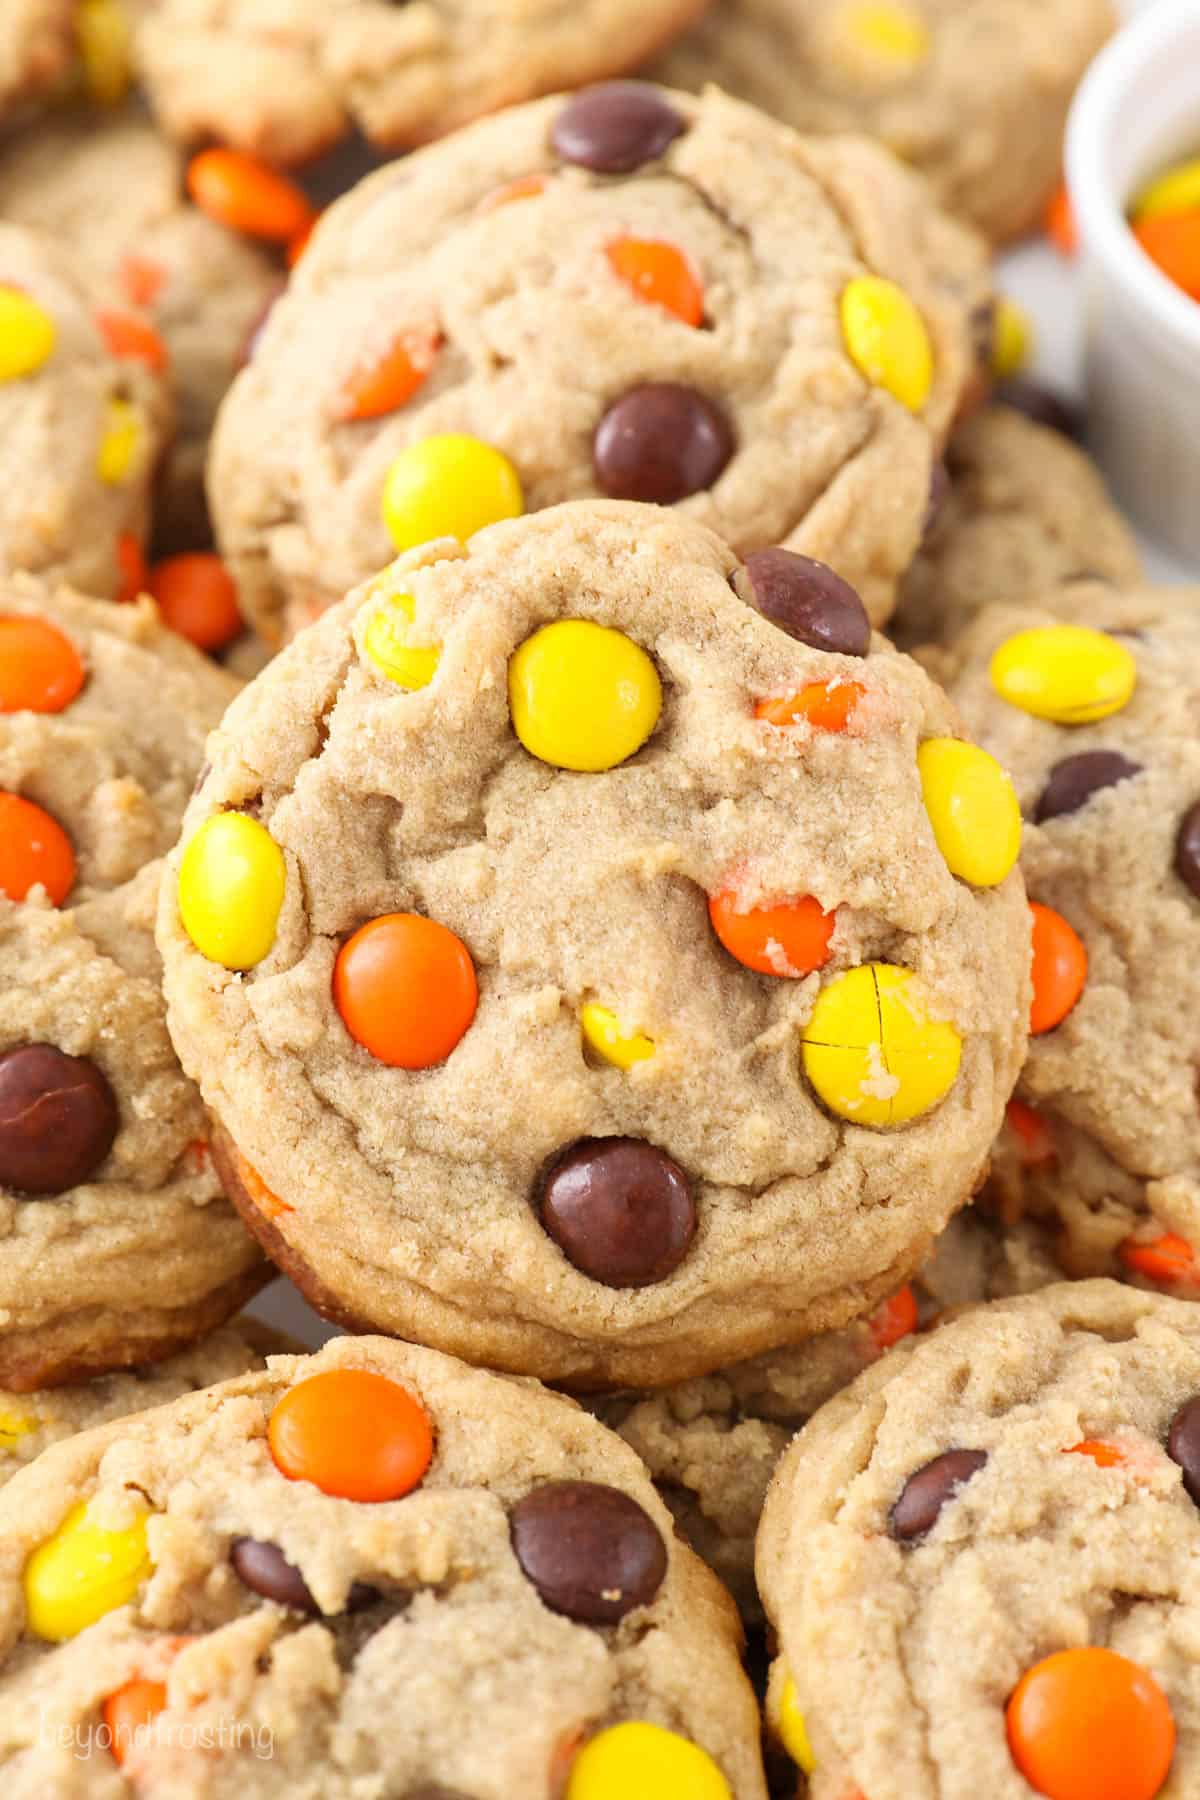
[1137, 111]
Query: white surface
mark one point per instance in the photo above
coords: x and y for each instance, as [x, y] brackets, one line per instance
[1050, 288]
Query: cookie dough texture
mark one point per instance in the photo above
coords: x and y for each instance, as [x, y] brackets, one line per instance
[407, 1201]
[538, 337]
[58, 514]
[117, 765]
[36, 42]
[30, 1423]
[111, 188]
[712, 1443]
[1116, 1082]
[287, 82]
[1025, 513]
[973, 93]
[453, 1678]
[1038, 1552]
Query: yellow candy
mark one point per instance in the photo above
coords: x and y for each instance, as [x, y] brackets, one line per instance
[889, 31]
[1176, 191]
[1014, 336]
[121, 443]
[14, 1426]
[887, 340]
[27, 335]
[105, 40]
[448, 486]
[81, 1573]
[582, 696]
[385, 642]
[973, 808]
[231, 883]
[793, 1730]
[637, 1761]
[1068, 673]
[872, 1050]
[603, 1034]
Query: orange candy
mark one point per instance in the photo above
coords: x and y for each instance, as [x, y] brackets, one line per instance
[142, 280]
[385, 386]
[34, 851]
[1167, 1260]
[132, 1707]
[895, 1319]
[826, 705]
[40, 668]
[133, 338]
[1035, 1136]
[197, 598]
[1104, 1455]
[406, 990]
[248, 196]
[661, 275]
[1091, 1725]
[791, 939]
[131, 564]
[268, 1203]
[353, 1434]
[1060, 967]
[1059, 221]
[525, 187]
[1172, 240]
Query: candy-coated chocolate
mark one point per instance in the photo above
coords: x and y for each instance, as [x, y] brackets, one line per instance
[603, 1034]
[27, 335]
[35, 851]
[1183, 1445]
[615, 127]
[887, 339]
[1177, 190]
[932, 1487]
[316, 1434]
[661, 442]
[385, 641]
[582, 696]
[638, 1761]
[40, 668]
[247, 195]
[448, 486]
[58, 1119]
[1060, 966]
[591, 1551]
[874, 1052]
[789, 939]
[1075, 779]
[660, 274]
[894, 33]
[129, 1712]
[793, 1730]
[1089, 1724]
[619, 1209]
[809, 601]
[104, 34]
[81, 1573]
[1066, 673]
[231, 886]
[1011, 340]
[406, 989]
[973, 808]
[1187, 849]
[197, 597]
[121, 445]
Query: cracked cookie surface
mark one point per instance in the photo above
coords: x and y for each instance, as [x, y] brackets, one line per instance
[997, 1519]
[973, 93]
[599, 1145]
[483, 1596]
[629, 292]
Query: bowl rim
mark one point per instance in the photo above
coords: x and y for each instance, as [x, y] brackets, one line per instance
[1095, 118]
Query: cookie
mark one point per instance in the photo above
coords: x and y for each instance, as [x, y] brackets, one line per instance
[973, 93]
[103, 717]
[82, 423]
[289, 86]
[29, 1423]
[36, 45]
[545, 1016]
[1098, 727]
[628, 292]
[483, 1595]
[996, 1529]
[112, 189]
[1024, 512]
[712, 1443]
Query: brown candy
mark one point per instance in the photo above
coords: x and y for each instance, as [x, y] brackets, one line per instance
[591, 1551]
[58, 1119]
[616, 127]
[1073, 781]
[809, 601]
[266, 1570]
[619, 1209]
[1187, 849]
[1183, 1445]
[925, 1493]
[659, 443]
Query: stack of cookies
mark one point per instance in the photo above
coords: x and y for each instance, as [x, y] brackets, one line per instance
[470, 844]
